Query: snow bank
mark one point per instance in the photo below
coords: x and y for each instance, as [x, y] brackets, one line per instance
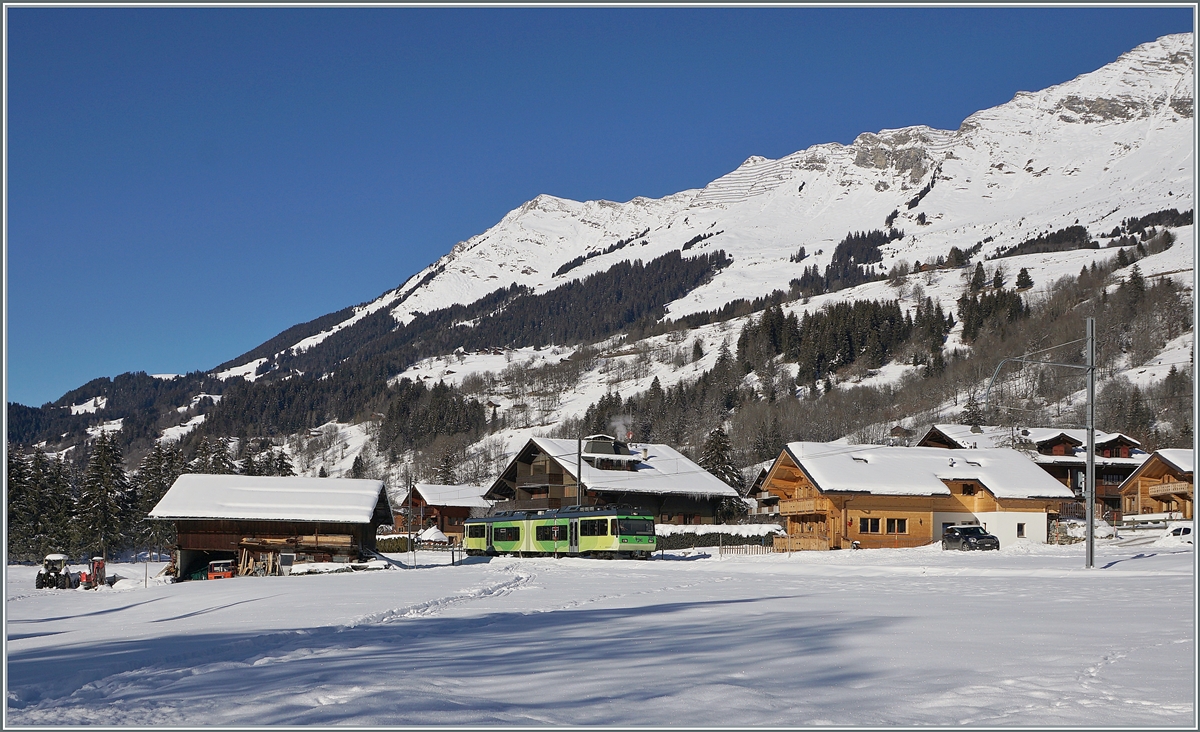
[734, 529]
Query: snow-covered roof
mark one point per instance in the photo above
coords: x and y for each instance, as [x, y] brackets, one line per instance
[469, 496]
[1179, 459]
[919, 471]
[270, 498]
[663, 470]
[993, 436]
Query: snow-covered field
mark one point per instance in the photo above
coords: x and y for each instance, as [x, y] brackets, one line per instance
[1020, 637]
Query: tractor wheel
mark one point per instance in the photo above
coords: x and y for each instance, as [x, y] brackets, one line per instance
[63, 582]
[39, 582]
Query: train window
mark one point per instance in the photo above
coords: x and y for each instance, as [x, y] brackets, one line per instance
[550, 533]
[612, 527]
[593, 527]
[475, 531]
[506, 533]
[636, 527]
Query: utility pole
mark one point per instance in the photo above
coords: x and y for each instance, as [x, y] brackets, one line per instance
[579, 471]
[1089, 489]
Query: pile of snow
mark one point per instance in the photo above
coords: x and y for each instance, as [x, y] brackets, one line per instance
[329, 567]
[433, 534]
[734, 529]
[1078, 529]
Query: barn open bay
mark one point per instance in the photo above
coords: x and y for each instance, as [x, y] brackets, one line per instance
[1024, 636]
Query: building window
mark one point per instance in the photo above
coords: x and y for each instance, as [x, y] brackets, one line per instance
[897, 526]
[1020, 531]
[968, 489]
[868, 526]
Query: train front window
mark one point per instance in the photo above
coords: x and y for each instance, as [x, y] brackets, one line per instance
[636, 527]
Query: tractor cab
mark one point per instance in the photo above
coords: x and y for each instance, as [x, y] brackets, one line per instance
[220, 569]
[92, 577]
[55, 574]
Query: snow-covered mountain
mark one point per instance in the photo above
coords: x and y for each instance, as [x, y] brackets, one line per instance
[1107, 145]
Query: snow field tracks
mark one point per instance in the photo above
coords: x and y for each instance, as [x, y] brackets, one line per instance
[859, 638]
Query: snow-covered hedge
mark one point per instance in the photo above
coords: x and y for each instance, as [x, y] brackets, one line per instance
[671, 536]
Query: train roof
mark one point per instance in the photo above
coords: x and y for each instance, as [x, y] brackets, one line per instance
[567, 512]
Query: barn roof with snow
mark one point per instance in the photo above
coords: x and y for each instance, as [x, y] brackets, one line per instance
[244, 497]
[462, 496]
[1180, 459]
[920, 471]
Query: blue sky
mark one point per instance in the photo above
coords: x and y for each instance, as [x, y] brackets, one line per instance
[184, 183]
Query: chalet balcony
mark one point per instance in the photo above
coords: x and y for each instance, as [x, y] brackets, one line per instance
[815, 542]
[529, 504]
[545, 480]
[806, 505]
[1171, 488]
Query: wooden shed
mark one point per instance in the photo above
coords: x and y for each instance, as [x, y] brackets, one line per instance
[267, 523]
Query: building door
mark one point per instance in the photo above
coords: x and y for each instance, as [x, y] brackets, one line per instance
[573, 537]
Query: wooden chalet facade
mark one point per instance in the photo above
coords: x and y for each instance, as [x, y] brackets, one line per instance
[1161, 489]
[443, 506]
[652, 477]
[266, 523]
[835, 495]
[1060, 452]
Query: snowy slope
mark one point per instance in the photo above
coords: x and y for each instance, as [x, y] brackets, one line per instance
[1110, 144]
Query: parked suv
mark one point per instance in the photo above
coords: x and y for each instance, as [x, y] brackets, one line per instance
[966, 538]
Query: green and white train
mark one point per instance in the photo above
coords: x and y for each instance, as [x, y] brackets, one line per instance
[590, 531]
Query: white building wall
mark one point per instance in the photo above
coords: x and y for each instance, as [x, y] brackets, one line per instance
[1001, 524]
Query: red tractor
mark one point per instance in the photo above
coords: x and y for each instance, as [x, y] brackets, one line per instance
[92, 577]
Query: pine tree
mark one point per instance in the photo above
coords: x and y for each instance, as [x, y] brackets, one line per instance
[445, 470]
[283, 466]
[998, 278]
[250, 465]
[104, 499]
[20, 512]
[717, 458]
[1024, 281]
[698, 350]
[978, 278]
[155, 476]
[359, 469]
[972, 413]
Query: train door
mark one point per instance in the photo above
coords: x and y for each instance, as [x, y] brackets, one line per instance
[573, 537]
[491, 550]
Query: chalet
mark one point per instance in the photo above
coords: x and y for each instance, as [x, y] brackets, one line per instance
[442, 506]
[835, 495]
[760, 501]
[1161, 488]
[1060, 452]
[653, 477]
[263, 523]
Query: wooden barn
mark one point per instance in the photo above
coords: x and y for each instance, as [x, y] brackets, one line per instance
[835, 495]
[1161, 489]
[653, 477]
[265, 524]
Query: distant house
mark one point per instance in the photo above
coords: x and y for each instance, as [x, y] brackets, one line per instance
[763, 502]
[653, 477]
[443, 506]
[260, 522]
[1060, 452]
[1161, 488]
[833, 495]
